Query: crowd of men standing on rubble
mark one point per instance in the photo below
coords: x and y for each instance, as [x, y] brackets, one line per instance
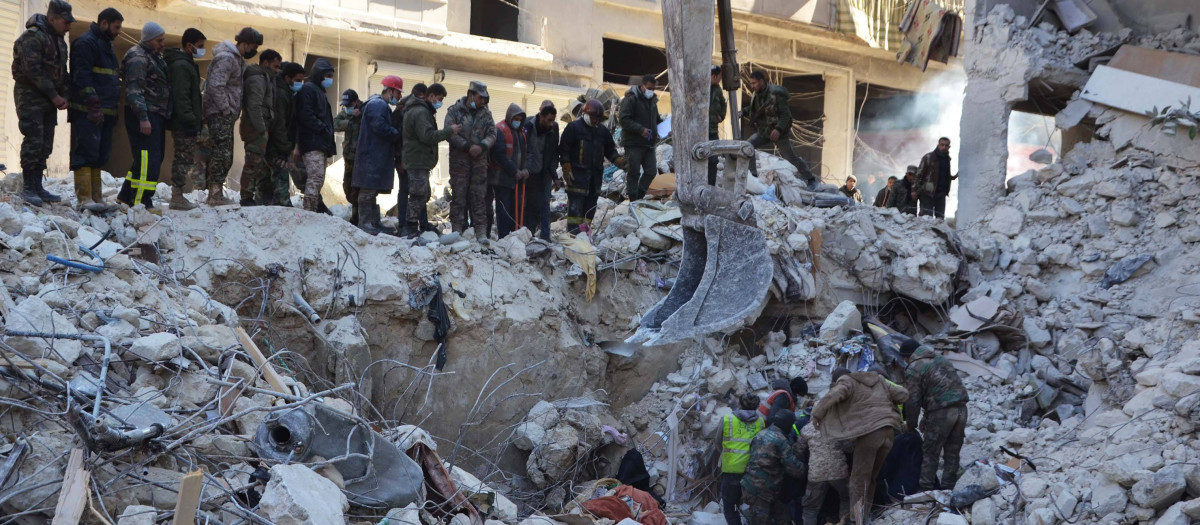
[876, 435]
[501, 174]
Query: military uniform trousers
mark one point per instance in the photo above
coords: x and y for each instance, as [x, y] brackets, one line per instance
[220, 145]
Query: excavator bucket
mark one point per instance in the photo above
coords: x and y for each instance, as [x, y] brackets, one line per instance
[726, 268]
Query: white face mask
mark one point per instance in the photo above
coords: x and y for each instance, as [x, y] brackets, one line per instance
[587, 119]
[199, 53]
[648, 93]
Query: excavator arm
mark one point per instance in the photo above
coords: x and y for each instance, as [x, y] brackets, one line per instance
[726, 268]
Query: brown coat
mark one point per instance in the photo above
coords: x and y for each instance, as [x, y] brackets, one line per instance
[858, 404]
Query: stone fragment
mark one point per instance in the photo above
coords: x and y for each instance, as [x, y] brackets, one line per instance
[1124, 214]
[1108, 497]
[947, 518]
[756, 381]
[209, 341]
[137, 515]
[1006, 220]
[1161, 490]
[1038, 336]
[162, 346]
[1033, 487]
[1179, 384]
[983, 512]
[34, 315]
[528, 435]
[721, 382]
[543, 413]
[978, 474]
[410, 515]
[844, 319]
[298, 496]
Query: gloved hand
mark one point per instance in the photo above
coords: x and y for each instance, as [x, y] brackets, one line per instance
[568, 176]
[622, 163]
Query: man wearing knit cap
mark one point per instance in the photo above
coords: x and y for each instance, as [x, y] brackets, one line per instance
[935, 388]
[223, 104]
[147, 108]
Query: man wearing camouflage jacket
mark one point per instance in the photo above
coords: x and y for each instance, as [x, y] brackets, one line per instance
[469, 160]
[774, 454]
[39, 70]
[348, 122]
[223, 104]
[258, 113]
[147, 109]
[771, 117]
[934, 386]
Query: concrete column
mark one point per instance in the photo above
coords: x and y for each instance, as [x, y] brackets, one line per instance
[837, 152]
[983, 151]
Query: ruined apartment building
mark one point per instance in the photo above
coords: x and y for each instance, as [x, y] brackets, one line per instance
[528, 51]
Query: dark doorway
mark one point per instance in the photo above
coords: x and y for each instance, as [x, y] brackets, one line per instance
[495, 18]
[624, 61]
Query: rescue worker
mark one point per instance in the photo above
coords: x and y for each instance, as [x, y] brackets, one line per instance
[584, 146]
[861, 406]
[935, 388]
[223, 104]
[147, 108]
[279, 142]
[96, 84]
[850, 191]
[717, 109]
[187, 115]
[375, 164]
[774, 455]
[934, 180]
[258, 113]
[508, 176]
[902, 196]
[312, 132]
[770, 115]
[639, 132]
[421, 138]
[543, 168]
[401, 210]
[469, 160]
[348, 121]
[885, 195]
[783, 397]
[827, 471]
[737, 431]
[39, 70]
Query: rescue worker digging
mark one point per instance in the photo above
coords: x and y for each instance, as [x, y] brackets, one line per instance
[93, 115]
[584, 146]
[737, 431]
[935, 389]
[774, 455]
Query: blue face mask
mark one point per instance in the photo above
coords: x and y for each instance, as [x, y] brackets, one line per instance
[516, 124]
[472, 104]
[199, 53]
[297, 85]
[327, 83]
[437, 104]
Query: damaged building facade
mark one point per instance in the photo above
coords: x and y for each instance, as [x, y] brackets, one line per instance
[831, 55]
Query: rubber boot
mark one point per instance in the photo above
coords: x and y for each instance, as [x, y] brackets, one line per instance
[45, 195]
[216, 196]
[29, 191]
[83, 186]
[481, 234]
[179, 202]
[368, 220]
[354, 215]
[97, 186]
[312, 203]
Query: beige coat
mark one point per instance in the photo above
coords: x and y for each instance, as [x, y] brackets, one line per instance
[858, 404]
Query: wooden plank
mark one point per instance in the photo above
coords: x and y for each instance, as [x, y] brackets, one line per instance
[189, 498]
[229, 394]
[268, 372]
[73, 497]
[1165, 65]
[1136, 93]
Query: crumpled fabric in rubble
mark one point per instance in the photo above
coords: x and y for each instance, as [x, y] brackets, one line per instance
[581, 252]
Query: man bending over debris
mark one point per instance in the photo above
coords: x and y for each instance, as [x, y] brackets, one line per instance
[773, 455]
[737, 431]
[861, 406]
[827, 470]
[934, 386]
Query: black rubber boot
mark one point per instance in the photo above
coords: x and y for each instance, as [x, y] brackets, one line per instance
[45, 195]
[29, 189]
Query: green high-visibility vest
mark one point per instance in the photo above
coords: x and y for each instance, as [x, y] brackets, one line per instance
[735, 445]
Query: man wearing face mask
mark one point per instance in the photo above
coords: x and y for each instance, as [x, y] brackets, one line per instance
[542, 166]
[223, 104]
[279, 144]
[375, 162]
[147, 108]
[40, 89]
[93, 115]
[508, 174]
[469, 160]
[421, 137]
[348, 122]
[187, 115]
[639, 130]
[584, 146]
[312, 131]
[258, 111]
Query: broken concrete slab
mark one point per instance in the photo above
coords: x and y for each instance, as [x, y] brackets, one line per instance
[845, 319]
[162, 346]
[297, 495]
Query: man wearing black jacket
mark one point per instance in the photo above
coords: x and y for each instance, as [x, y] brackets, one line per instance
[312, 131]
[93, 114]
[543, 167]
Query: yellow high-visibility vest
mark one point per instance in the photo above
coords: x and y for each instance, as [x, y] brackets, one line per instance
[735, 443]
